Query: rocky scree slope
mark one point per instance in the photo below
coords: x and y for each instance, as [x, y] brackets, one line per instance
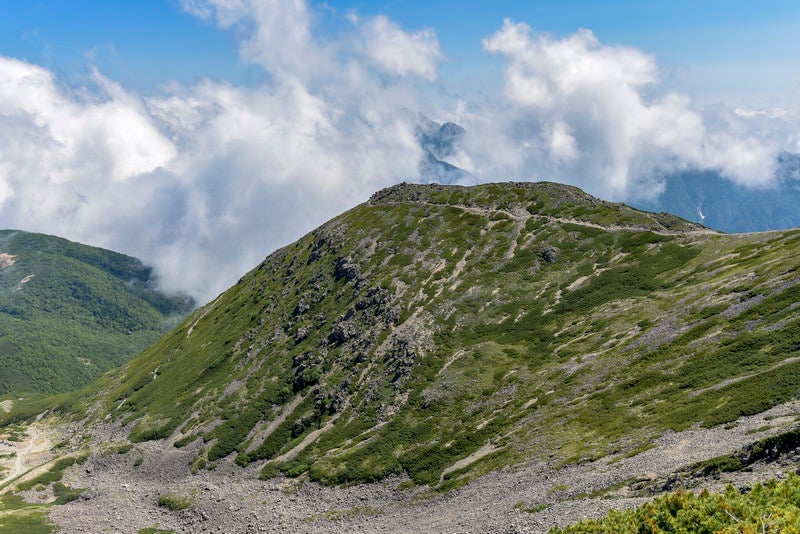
[69, 312]
[444, 332]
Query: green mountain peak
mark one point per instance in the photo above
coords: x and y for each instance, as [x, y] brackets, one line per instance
[445, 331]
[537, 199]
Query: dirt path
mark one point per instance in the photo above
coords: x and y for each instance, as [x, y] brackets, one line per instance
[30, 453]
[736, 379]
[522, 215]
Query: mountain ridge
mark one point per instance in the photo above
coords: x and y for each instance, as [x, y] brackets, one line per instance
[441, 334]
[422, 194]
[710, 198]
[702, 196]
[402, 336]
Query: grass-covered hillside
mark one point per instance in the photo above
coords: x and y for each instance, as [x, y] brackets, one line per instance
[447, 331]
[69, 312]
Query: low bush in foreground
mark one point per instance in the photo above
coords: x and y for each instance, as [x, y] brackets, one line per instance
[771, 507]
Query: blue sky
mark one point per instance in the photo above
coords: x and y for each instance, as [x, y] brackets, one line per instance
[143, 43]
[199, 135]
[738, 51]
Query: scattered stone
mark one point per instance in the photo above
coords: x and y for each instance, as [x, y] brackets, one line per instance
[343, 330]
[226, 499]
[550, 254]
[345, 268]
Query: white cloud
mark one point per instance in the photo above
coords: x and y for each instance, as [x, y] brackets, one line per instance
[579, 111]
[543, 72]
[207, 179]
[53, 140]
[275, 34]
[396, 52]
[562, 144]
[770, 113]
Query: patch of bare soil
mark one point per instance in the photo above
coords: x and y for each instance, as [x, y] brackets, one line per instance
[6, 260]
[27, 457]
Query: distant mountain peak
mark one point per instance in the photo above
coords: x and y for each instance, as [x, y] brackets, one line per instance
[439, 143]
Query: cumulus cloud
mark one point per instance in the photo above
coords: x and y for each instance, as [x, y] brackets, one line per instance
[111, 136]
[263, 166]
[60, 152]
[277, 34]
[580, 111]
[273, 33]
[396, 52]
[206, 179]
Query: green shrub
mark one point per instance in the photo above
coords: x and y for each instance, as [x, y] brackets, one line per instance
[64, 494]
[771, 507]
[54, 474]
[174, 501]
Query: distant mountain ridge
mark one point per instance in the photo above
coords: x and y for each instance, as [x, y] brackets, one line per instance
[69, 312]
[709, 198]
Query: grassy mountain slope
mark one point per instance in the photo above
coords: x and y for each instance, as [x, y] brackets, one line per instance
[69, 312]
[446, 331]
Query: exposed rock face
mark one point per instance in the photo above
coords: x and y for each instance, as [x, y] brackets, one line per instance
[401, 357]
[302, 307]
[346, 269]
[301, 334]
[344, 329]
[550, 254]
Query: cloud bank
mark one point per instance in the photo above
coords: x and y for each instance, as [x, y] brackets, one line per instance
[587, 113]
[204, 180]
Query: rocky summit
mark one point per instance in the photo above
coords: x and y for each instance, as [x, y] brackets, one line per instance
[440, 358]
